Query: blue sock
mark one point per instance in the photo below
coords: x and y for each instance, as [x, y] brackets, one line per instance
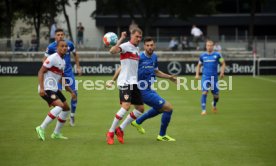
[165, 120]
[203, 101]
[215, 100]
[149, 114]
[74, 104]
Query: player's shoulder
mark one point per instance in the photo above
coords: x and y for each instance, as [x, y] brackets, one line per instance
[154, 55]
[203, 54]
[218, 54]
[142, 55]
[69, 42]
[52, 45]
[125, 44]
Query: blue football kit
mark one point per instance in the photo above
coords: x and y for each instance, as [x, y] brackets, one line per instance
[146, 76]
[210, 64]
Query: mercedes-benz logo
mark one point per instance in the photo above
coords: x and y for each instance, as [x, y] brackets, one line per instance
[174, 68]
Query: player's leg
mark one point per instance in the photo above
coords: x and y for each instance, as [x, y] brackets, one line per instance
[61, 118]
[136, 100]
[205, 84]
[52, 100]
[167, 110]
[124, 94]
[74, 102]
[152, 99]
[215, 93]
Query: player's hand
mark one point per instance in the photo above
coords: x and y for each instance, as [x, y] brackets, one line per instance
[79, 71]
[73, 96]
[123, 35]
[221, 76]
[197, 77]
[42, 93]
[109, 83]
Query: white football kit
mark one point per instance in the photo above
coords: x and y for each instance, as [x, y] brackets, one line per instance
[129, 58]
[55, 65]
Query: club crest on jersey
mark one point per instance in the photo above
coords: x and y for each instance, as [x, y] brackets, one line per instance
[53, 96]
[126, 97]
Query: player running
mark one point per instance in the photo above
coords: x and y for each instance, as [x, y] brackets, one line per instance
[49, 75]
[127, 83]
[147, 71]
[68, 72]
[210, 60]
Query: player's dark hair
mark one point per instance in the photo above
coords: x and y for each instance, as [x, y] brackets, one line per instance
[148, 39]
[59, 30]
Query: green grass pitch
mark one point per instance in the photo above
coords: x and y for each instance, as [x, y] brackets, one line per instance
[242, 133]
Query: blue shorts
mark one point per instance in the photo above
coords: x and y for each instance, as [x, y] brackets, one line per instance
[152, 99]
[210, 83]
[70, 81]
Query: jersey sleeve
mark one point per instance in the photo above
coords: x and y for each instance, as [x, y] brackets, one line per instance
[200, 61]
[48, 63]
[123, 47]
[49, 50]
[220, 58]
[72, 47]
[156, 63]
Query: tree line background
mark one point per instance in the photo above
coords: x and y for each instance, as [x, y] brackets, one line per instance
[42, 12]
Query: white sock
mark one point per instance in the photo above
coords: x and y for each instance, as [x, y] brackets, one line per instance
[51, 116]
[72, 114]
[61, 120]
[131, 117]
[119, 115]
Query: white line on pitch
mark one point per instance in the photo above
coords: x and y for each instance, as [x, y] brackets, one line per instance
[265, 79]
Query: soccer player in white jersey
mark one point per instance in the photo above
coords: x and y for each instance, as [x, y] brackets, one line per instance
[127, 84]
[49, 75]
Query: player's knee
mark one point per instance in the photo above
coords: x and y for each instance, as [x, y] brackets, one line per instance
[65, 107]
[140, 108]
[205, 92]
[168, 107]
[126, 105]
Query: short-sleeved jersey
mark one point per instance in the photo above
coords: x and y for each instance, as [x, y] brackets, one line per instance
[210, 63]
[55, 65]
[52, 48]
[146, 69]
[129, 58]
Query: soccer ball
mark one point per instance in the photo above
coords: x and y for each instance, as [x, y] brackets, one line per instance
[110, 39]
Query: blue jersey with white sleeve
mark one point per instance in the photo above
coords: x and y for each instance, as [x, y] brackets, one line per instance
[52, 48]
[210, 63]
[146, 70]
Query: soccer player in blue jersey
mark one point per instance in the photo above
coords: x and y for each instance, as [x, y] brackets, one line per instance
[68, 71]
[147, 71]
[210, 61]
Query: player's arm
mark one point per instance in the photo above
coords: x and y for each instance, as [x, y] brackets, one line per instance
[77, 62]
[114, 78]
[161, 74]
[41, 72]
[47, 53]
[222, 67]
[197, 70]
[116, 49]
